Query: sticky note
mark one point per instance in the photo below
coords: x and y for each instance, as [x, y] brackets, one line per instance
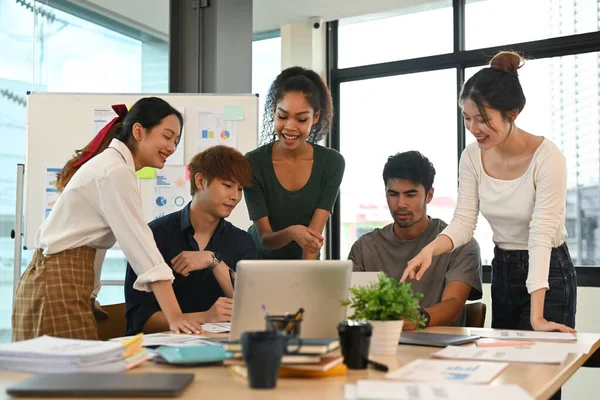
[187, 172]
[233, 113]
[146, 173]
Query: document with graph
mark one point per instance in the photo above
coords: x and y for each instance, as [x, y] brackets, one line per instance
[448, 371]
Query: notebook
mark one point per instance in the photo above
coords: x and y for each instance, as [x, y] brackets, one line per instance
[102, 385]
[434, 339]
[309, 346]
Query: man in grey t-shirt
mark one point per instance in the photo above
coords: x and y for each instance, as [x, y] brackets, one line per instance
[453, 277]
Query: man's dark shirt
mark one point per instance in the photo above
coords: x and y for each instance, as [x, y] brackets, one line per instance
[198, 291]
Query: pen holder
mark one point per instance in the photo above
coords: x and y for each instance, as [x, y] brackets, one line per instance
[285, 323]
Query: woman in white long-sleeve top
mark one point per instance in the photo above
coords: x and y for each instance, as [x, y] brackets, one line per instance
[518, 181]
[99, 204]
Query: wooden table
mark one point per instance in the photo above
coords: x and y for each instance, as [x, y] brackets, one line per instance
[217, 382]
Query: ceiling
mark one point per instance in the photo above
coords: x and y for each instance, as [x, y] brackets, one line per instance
[151, 15]
[272, 14]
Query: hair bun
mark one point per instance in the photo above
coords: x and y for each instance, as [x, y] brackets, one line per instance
[507, 61]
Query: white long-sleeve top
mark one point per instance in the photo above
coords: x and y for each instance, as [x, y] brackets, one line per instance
[100, 205]
[527, 213]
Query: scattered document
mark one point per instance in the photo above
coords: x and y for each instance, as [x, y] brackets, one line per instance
[566, 348]
[525, 335]
[212, 130]
[521, 354]
[447, 370]
[385, 390]
[217, 327]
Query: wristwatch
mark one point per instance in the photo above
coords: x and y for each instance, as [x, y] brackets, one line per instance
[217, 259]
[425, 316]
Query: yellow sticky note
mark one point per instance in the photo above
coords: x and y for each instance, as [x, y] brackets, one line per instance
[146, 173]
[233, 113]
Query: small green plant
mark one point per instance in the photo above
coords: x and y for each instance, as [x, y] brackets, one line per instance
[385, 300]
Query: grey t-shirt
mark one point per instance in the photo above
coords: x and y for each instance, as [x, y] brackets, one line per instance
[380, 250]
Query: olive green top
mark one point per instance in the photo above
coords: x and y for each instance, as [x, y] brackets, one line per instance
[268, 198]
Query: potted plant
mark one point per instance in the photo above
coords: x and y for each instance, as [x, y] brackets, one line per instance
[385, 304]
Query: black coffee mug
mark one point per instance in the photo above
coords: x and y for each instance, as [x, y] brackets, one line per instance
[355, 339]
[262, 352]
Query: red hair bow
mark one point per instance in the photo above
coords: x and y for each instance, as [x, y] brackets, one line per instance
[91, 149]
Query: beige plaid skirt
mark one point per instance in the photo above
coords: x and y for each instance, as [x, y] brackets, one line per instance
[53, 296]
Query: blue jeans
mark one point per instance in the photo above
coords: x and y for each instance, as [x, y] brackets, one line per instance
[510, 300]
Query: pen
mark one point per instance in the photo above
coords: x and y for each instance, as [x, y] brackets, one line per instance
[377, 366]
[290, 324]
[268, 318]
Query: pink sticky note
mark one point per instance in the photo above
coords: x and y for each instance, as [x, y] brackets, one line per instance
[187, 172]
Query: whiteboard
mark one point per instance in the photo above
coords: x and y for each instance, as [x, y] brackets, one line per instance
[60, 123]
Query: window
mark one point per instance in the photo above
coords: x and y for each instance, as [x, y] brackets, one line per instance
[563, 98]
[46, 49]
[387, 124]
[498, 22]
[562, 88]
[413, 31]
[266, 65]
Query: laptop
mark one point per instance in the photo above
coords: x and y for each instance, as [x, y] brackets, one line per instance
[102, 385]
[284, 286]
[434, 339]
[364, 278]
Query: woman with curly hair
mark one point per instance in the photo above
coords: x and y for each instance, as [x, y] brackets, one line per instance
[296, 180]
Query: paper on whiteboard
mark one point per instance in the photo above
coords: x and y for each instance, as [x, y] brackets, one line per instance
[448, 370]
[178, 157]
[524, 354]
[50, 190]
[171, 191]
[101, 116]
[213, 130]
[524, 335]
[385, 390]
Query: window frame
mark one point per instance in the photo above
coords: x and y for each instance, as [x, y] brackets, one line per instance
[460, 59]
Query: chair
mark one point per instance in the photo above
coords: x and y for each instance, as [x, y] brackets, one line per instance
[115, 325]
[475, 314]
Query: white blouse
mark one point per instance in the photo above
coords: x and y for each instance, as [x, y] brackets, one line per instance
[527, 213]
[101, 204]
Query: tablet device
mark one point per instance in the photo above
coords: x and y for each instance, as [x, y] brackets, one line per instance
[434, 339]
[102, 385]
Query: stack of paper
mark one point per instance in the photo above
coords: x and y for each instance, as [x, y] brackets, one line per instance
[48, 354]
[385, 390]
[448, 371]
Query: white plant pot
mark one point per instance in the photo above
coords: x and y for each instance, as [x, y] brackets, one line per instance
[385, 337]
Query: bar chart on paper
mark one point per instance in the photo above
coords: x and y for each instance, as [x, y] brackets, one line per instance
[214, 129]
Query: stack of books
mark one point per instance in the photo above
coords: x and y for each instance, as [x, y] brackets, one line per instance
[47, 354]
[316, 358]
